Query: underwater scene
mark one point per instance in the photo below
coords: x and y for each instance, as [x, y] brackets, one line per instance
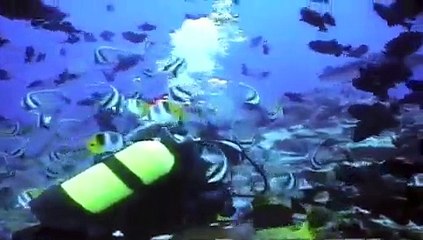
[211, 119]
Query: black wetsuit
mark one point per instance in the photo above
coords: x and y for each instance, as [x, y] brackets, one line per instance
[179, 200]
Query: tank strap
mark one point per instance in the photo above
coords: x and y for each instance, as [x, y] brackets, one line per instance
[124, 174]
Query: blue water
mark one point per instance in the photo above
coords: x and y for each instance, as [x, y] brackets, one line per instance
[292, 65]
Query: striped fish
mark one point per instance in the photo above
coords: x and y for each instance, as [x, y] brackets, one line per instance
[180, 94]
[105, 142]
[43, 120]
[137, 107]
[106, 55]
[290, 182]
[165, 111]
[45, 104]
[63, 159]
[13, 147]
[25, 197]
[113, 101]
[54, 170]
[109, 99]
[8, 127]
[45, 101]
[174, 67]
[232, 150]
[218, 169]
[252, 97]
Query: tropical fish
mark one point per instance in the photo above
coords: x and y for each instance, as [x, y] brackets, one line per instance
[104, 97]
[26, 196]
[174, 67]
[252, 96]
[45, 103]
[105, 55]
[64, 159]
[71, 129]
[180, 94]
[165, 111]
[13, 147]
[8, 127]
[218, 169]
[138, 107]
[105, 142]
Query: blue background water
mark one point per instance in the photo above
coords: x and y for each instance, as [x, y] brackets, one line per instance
[292, 65]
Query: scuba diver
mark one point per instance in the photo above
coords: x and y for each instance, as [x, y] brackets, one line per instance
[149, 188]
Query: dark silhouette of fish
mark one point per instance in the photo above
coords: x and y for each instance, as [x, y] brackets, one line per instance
[40, 57]
[55, 26]
[134, 37]
[89, 37]
[316, 19]
[72, 38]
[265, 48]
[405, 44]
[110, 8]
[329, 19]
[3, 41]
[62, 52]
[4, 75]
[110, 76]
[358, 51]
[107, 36]
[29, 54]
[379, 78]
[294, 97]
[86, 102]
[350, 70]
[64, 77]
[127, 62]
[392, 16]
[34, 84]
[255, 73]
[195, 16]
[147, 27]
[331, 47]
[256, 41]
[104, 120]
